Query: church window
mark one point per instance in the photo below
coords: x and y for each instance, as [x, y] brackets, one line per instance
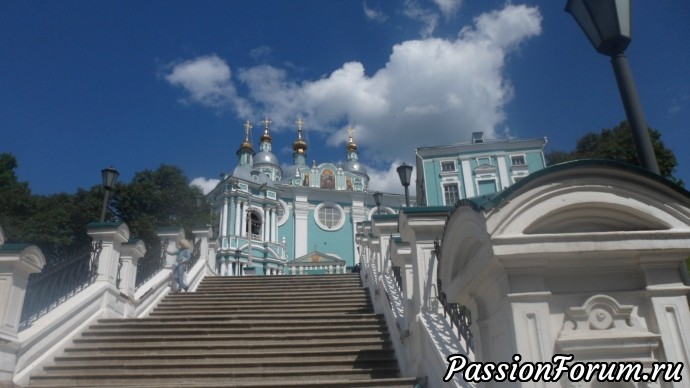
[282, 212]
[329, 216]
[254, 225]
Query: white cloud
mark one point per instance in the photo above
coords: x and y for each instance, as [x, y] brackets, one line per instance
[207, 80]
[387, 181]
[261, 53]
[431, 91]
[448, 7]
[428, 18]
[373, 14]
[206, 184]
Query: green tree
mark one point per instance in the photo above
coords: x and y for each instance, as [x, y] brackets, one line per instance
[617, 144]
[57, 223]
[16, 203]
[162, 197]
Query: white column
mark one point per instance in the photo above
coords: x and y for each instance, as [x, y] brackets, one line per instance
[221, 221]
[225, 217]
[467, 178]
[502, 172]
[274, 225]
[238, 217]
[267, 224]
[301, 225]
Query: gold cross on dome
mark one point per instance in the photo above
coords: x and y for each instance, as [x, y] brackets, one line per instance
[266, 122]
[350, 132]
[247, 128]
[299, 123]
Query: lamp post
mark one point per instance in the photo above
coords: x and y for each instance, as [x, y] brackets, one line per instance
[405, 174]
[607, 24]
[109, 175]
[377, 198]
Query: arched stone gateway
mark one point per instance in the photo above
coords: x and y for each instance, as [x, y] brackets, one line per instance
[583, 258]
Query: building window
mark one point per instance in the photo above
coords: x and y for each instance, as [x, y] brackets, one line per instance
[451, 194]
[477, 137]
[487, 187]
[447, 166]
[282, 212]
[483, 161]
[517, 160]
[329, 216]
[254, 224]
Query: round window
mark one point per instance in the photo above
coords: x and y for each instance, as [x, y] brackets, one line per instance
[329, 216]
[282, 213]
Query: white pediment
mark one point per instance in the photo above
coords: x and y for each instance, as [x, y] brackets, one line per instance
[603, 201]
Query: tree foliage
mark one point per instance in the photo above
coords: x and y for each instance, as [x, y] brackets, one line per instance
[617, 144]
[162, 197]
[57, 223]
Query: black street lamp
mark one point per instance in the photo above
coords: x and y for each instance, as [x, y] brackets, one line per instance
[607, 24]
[110, 175]
[377, 198]
[405, 174]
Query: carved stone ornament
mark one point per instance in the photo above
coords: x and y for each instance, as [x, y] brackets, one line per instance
[601, 312]
[603, 329]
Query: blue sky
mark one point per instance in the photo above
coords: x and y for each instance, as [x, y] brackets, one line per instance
[89, 84]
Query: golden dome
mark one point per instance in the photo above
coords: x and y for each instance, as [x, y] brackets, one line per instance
[351, 146]
[299, 146]
[266, 136]
[247, 141]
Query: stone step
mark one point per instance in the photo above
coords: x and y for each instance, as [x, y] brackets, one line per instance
[223, 337]
[304, 313]
[264, 307]
[280, 294]
[257, 364]
[82, 345]
[239, 342]
[115, 330]
[325, 379]
[131, 371]
[189, 297]
[357, 305]
[198, 323]
[284, 278]
[399, 382]
[358, 352]
[278, 331]
[95, 353]
[264, 318]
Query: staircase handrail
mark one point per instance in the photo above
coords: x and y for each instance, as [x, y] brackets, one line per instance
[151, 264]
[60, 279]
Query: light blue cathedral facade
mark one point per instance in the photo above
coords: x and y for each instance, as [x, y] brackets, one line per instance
[273, 219]
[293, 220]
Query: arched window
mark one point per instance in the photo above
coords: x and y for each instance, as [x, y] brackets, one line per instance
[254, 226]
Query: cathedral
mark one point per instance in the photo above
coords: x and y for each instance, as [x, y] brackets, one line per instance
[273, 219]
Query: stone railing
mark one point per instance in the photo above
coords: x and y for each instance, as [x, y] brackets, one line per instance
[74, 293]
[402, 281]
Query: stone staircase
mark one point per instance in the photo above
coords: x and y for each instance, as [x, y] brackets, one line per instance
[258, 331]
